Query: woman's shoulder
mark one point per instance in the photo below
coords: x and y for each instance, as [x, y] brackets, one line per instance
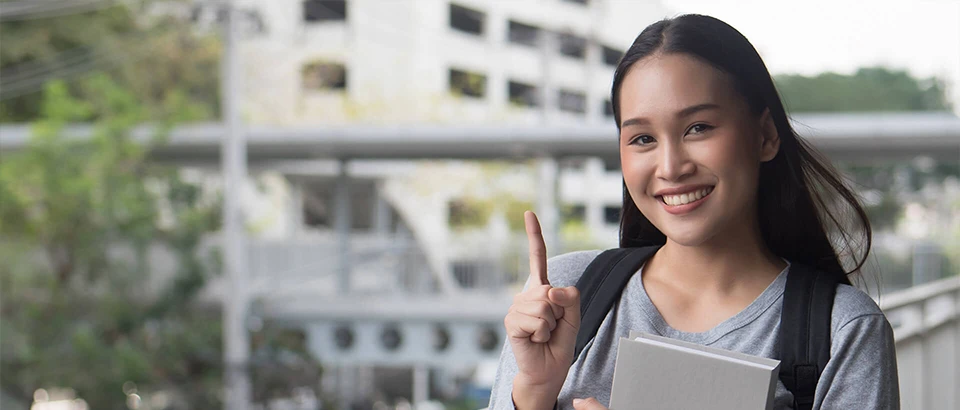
[566, 269]
[851, 304]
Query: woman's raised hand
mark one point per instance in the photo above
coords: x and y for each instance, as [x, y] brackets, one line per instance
[542, 327]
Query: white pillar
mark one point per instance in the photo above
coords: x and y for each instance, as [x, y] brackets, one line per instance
[381, 212]
[342, 224]
[594, 172]
[421, 385]
[346, 385]
[547, 203]
[926, 263]
[591, 60]
[329, 381]
[548, 95]
[496, 33]
[295, 208]
[234, 163]
[366, 384]
[594, 62]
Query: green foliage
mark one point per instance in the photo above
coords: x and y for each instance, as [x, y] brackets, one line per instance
[469, 213]
[147, 54]
[513, 209]
[79, 221]
[82, 221]
[869, 89]
[886, 186]
[80, 305]
[892, 184]
[281, 363]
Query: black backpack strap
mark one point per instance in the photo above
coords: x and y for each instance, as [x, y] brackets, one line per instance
[600, 287]
[805, 331]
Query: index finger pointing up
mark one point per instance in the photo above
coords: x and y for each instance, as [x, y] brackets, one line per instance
[538, 250]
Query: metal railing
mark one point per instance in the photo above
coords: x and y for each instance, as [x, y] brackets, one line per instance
[377, 264]
[926, 327]
[925, 318]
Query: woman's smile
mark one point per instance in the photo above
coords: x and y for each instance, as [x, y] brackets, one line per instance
[678, 204]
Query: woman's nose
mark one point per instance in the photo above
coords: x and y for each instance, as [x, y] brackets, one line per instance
[674, 163]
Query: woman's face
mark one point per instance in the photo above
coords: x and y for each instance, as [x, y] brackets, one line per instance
[690, 148]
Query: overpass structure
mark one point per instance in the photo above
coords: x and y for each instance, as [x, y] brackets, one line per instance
[358, 313]
[865, 137]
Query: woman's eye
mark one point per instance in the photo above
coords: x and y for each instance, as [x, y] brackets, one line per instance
[700, 128]
[643, 140]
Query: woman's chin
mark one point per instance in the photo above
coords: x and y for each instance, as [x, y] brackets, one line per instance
[688, 238]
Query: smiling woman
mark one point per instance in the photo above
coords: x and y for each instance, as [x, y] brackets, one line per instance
[702, 139]
[727, 197]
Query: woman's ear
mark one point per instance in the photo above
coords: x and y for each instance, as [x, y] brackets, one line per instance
[770, 138]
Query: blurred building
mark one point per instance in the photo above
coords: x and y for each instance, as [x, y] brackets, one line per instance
[328, 63]
[466, 62]
[414, 61]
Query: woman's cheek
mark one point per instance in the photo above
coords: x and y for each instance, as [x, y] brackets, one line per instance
[637, 182]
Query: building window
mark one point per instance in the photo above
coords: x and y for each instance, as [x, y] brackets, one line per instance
[572, 101]
[611, 166]
[611, 215]
[467, 83]
[316, 211]
[607, 108]
[324, 10]
[523, 34]
[324, 76]
[572, 46]
[466, 20]
[523, 94]
[611, 56]
[575, 213]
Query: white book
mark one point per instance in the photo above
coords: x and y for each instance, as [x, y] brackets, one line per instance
[655, 372]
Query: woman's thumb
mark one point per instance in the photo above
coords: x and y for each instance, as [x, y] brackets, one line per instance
[565, 297]
[569, 299]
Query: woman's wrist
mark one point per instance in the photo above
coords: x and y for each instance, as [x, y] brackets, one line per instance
[535, 396]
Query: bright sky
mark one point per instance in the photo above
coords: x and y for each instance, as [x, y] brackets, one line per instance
[812, 36]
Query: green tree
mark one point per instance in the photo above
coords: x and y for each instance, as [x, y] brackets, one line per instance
[146, 53]
[79, 219]
[874, 89]
[869, 89]
[81, 305]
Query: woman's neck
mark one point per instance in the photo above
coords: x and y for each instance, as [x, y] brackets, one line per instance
[720, 265]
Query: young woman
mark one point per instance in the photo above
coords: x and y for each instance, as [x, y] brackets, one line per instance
[713, 172]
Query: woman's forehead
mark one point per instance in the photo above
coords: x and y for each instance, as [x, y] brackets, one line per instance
[667, 83]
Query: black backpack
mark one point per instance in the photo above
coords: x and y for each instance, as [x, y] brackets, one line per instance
[804, 323]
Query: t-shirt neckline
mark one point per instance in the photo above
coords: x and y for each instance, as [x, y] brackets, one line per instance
[764, 301]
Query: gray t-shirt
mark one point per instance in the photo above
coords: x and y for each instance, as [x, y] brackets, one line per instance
[861, 373]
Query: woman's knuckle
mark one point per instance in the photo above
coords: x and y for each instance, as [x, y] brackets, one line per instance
[544, 310]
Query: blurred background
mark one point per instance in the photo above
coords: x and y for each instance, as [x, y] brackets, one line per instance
[317, 204]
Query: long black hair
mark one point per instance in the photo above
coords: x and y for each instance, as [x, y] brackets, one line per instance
[802, 200]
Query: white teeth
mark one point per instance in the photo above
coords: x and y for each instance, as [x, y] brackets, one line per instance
[687, 198]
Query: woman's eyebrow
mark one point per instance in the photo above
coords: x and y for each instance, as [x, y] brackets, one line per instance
[686, 112]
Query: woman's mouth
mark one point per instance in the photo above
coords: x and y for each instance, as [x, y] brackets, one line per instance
[683, 203]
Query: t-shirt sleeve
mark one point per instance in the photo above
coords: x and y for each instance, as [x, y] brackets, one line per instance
[501, 395]
[862, 371]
